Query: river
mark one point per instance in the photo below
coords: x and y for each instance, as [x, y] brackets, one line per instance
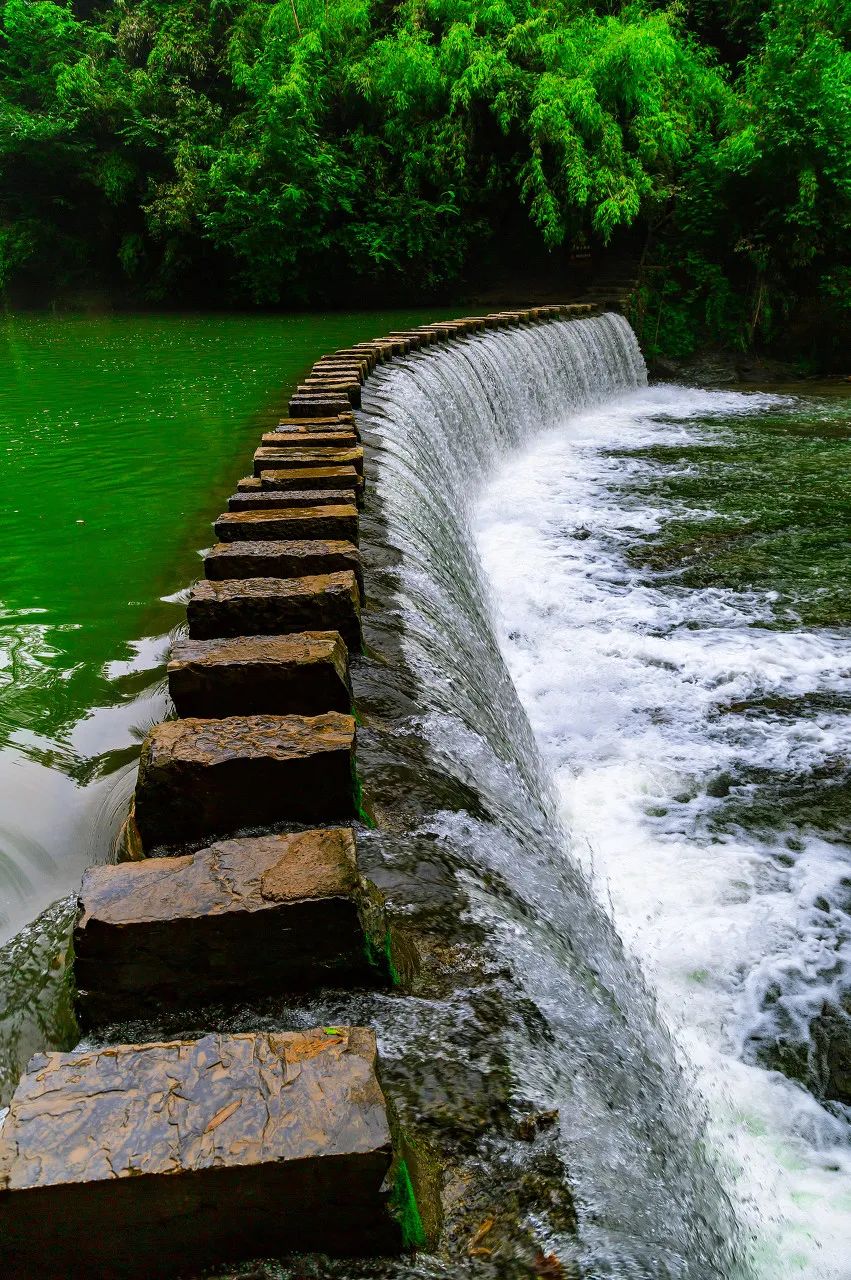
[671, 573]
[603, 726]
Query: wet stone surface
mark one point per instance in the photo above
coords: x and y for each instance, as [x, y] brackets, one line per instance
[282, 559]
[237, 919]
[255, 499]
[318, 477]
[302, 439]
[147, 1160]
[338, 523]
[203, 778]
[276, 606]
[302, 674]
[270, 459]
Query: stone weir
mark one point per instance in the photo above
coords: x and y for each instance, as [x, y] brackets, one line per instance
[237, 876]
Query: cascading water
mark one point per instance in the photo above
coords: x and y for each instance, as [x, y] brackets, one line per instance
[698, 730]
[633, 1133]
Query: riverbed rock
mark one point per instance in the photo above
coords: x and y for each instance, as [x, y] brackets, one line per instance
[202, 779]
[257, 499]
[332, 523]
[137, 1162]
[303, 674]
[276, 606]
[240, 918]
[288, 458]
[831, 1035]
[284, 559]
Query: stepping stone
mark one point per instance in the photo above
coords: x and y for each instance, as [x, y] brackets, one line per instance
[333, 385]
[317, 430]
[349, 370]
[140, 1162]
[303, 674]
[286, 458]
[281, 559]
[310, 404]
[319, 477]
[315, 424]
[238, 919]
[276, 607]
[256, 499]
[338, 524]
[200, 779]
[309, 440]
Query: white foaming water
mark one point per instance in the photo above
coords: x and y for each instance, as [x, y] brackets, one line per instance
[625, 678]
[585, 1038]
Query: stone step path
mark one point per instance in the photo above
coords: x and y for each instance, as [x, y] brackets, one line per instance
[277, 606]
[142, 1161]
[145, 1160]
[292, 459]
[199, 779]
[283, 479]
[282, 559]
[320, 476]
[257, 499]
[238, 918]
[303, 674]
[336, 523]
[301, 439]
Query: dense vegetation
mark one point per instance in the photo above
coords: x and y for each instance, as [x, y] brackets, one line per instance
[282, 152]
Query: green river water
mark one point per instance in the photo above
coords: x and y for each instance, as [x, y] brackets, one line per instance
[122, 437]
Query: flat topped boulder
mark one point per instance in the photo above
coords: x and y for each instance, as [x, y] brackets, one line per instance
[276, 606]
[331, 523]
[200, 779]
[318, 477]
[317, 404]
[293, 558]
[286, 458]
[301, 439]
[240, 918]
[302, 674]
[149, 1160]
[313, 423]
[256, 499]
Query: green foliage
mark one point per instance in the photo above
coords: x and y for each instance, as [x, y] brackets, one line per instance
[269, 151]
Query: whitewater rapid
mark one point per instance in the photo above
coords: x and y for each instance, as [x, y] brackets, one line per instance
[627, 677]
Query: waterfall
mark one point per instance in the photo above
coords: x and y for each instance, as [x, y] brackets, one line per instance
[651, 1201]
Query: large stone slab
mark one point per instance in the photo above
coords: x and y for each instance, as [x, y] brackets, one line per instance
[137, 1162]
[257, 499]
[332, 384]
[301, 439]
[327, 523]
[288, 458]
[276, 606]
[303, 674]
[311, 478]
[238, 919]
[282, 559]
[317, 404]
[200, 779]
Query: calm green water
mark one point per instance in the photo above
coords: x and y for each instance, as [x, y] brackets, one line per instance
[121, 437]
